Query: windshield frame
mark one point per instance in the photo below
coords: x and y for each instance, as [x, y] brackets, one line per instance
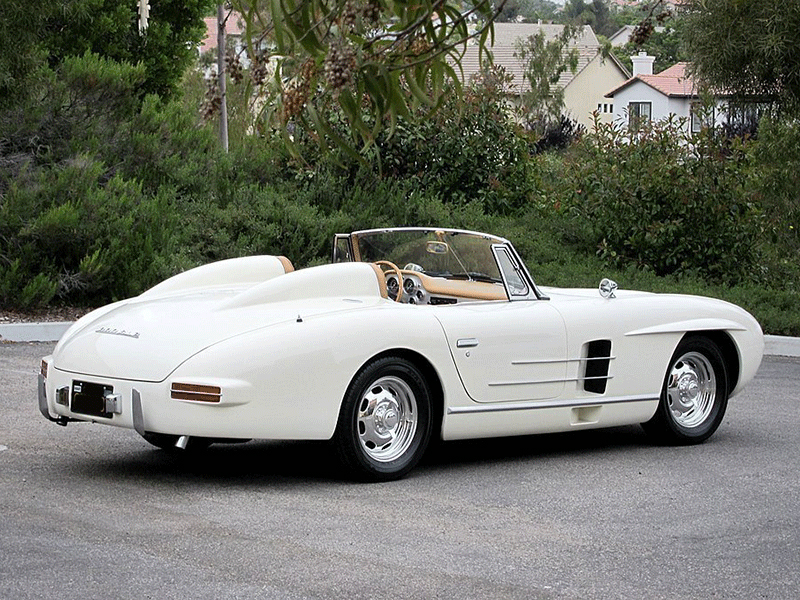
[346, 249]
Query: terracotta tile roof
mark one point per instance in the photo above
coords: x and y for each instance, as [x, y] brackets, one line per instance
[233, 27]
[673, 82]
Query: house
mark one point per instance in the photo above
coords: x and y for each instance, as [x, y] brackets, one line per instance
[583, 90]
[234, 30]
[647, 97]
[623, 35]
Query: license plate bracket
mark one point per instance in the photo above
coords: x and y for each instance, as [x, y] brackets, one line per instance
[90, 398]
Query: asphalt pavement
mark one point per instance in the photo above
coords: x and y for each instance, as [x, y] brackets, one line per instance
[89, 511]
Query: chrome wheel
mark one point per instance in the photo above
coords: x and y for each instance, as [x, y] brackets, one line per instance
[691, 389]
[694, 395]
[387, 419]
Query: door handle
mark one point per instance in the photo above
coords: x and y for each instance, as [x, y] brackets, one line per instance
[467, 343]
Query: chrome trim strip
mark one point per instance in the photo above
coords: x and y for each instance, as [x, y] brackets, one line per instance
[542, 381]
[551, 361]
[43, 408]
[569, 403]
[138, 414]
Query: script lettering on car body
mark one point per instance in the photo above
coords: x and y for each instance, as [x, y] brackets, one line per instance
[114, 331]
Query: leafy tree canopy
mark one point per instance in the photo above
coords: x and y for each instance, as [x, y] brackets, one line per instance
[544, 61]
[528, 10]
[20, 49]
[110, 28]
[666, 45]
[595, 13]
[748, 47]
[39, 33]
[366, 61]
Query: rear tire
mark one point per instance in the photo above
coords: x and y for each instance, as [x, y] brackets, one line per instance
[694, 395]
[385, 421]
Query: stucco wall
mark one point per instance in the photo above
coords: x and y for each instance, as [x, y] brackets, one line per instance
[588, 89]
[662, 106]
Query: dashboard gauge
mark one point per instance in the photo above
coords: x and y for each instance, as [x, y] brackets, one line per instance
[392, 286]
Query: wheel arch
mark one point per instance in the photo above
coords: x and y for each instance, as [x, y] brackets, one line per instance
[428, 372]
[729, 351]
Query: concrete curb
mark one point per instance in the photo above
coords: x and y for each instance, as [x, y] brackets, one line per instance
[775, 345]
[33, 332]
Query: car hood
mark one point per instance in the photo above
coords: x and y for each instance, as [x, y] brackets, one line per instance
[567, 294]
[147, 337]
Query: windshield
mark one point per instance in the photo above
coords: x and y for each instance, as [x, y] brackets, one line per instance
[435, 252]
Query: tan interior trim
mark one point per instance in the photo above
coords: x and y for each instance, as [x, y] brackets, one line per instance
[354, 244]
[476, 290]
[381, 280]
[288, 267]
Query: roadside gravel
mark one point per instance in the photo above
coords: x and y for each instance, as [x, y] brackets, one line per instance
[47, 315]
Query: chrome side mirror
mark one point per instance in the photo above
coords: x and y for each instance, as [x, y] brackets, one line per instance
[607, 288]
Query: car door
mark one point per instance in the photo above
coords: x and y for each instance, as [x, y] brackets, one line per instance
[507, 351]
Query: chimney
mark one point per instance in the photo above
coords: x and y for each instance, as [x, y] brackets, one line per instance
[642, 64]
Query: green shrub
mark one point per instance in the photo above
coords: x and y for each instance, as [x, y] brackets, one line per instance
[664, 201]
[469, 151]
[775, 172]
[69, 234]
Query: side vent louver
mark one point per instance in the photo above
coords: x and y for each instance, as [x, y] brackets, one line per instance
[598, 358]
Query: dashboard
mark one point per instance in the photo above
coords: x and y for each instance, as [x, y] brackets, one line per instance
[419, 288]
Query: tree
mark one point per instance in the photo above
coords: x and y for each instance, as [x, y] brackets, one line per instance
[110, 28]
[21, 51]
[665, 45]
[544, 61]
[528, 10]
[594, 13]
[578, 11]
[366, 62]
[750, 48]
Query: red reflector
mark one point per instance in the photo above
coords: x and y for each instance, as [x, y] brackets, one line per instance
[198, 393]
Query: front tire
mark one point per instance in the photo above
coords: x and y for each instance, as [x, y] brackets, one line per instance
[694, 395]
[385, 421]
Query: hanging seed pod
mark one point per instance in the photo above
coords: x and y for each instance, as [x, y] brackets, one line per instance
[212, 103]
[297, 92]
[420, 46]
[339, 65]
[349, 16]
[259, 71]
[371, 12]
[234, 66]
[642, 32]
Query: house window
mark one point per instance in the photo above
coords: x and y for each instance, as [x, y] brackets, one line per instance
[746, 115]
[639, 113]
[703, 116]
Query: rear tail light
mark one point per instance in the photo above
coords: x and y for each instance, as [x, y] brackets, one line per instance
[197, 393]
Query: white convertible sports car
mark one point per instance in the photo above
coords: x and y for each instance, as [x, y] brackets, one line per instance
[410, 334]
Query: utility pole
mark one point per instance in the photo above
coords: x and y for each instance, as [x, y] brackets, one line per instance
[223, 108]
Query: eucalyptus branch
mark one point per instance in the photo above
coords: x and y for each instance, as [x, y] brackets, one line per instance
[447, 48]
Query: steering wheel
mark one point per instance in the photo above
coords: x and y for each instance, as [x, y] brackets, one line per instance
[389, 267]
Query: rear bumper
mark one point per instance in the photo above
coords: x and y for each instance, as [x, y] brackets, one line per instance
[153, 407]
